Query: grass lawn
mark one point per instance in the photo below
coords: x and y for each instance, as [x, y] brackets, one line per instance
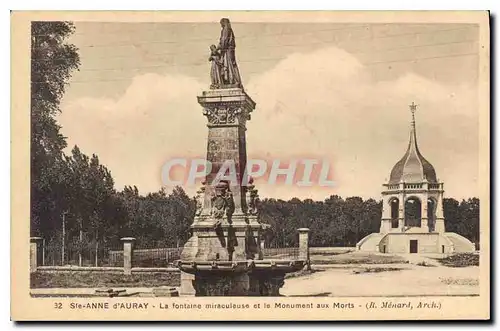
[302, 273]
[102, 279]
[375, 269]
[356, 257]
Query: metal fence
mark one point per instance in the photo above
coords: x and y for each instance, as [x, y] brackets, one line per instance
[149, 257]
[53, 253]
[101, 255]
[281, 253]
[91, 255]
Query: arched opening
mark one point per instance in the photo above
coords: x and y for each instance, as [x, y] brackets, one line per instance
[431, 213]
[394, 204]
[413, 212]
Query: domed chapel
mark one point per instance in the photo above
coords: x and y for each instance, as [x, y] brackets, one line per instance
[412, 215]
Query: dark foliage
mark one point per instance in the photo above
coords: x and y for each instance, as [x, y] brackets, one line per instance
[52, 61]
[333, 222]
[463, 218]
[460, 260]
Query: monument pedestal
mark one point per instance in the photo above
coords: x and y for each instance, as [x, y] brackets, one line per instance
[224, 253]
[239, 241]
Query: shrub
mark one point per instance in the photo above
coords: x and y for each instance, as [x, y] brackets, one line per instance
[460, 260]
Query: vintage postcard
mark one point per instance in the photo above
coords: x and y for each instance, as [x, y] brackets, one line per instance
[250, 166]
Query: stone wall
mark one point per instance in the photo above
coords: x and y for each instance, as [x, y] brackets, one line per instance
[399, 243]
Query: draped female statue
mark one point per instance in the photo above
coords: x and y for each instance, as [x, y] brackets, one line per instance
[224, 72]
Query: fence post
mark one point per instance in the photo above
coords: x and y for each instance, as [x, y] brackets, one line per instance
[34, 247]
[304, 246]
[128, 248]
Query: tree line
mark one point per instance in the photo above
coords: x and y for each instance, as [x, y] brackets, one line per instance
[343, 222]
[73, 196]
[74, 200]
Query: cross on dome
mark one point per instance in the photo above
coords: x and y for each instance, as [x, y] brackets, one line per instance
[413, 107]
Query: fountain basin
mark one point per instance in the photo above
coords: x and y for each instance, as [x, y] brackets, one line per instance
[239, 278]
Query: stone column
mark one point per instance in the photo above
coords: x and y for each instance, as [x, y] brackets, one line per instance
[128, 247]
[439, 225]
[401, 198]
[424, 221]
[385, 223]
[304, 246]
[34, 248]
[227, 111]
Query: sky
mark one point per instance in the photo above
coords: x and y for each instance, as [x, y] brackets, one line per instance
[333, 91]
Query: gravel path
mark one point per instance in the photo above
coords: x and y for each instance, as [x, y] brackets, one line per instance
[412, 281]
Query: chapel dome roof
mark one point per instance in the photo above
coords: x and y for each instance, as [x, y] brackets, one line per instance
[413, 167]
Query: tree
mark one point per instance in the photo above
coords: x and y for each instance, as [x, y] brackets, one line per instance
[93, 201]
[451, 215]
[470, 212]
[183, 214]
[372, 214]
[52, 62]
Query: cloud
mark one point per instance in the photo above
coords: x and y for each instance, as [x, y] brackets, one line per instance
[322, 103]
[155, 119]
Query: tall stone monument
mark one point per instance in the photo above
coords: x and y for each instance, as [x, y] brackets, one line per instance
[224, 252]
[412, 215]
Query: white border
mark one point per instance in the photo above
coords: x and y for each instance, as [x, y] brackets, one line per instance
[180, 5]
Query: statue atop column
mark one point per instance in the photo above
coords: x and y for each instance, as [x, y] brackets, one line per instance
[226, 231]
[224, 72]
